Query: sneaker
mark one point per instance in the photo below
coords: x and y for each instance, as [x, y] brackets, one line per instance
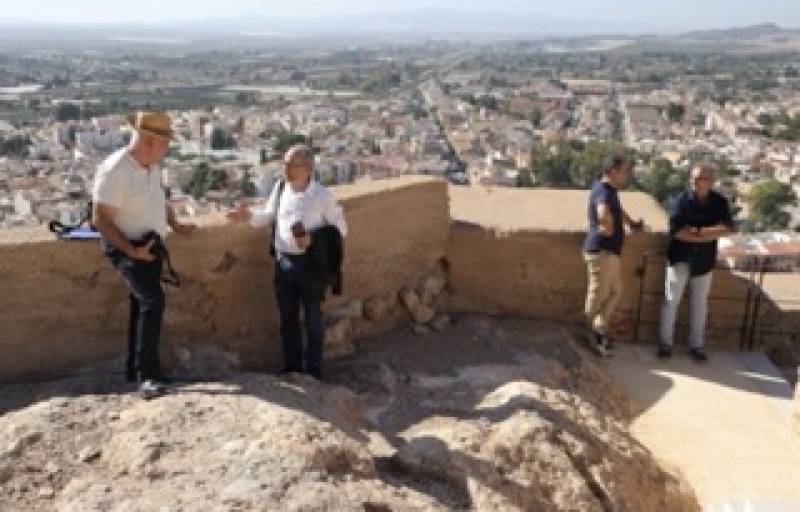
[698, 354]
[597, 342]
[150, 389]
[664, 351]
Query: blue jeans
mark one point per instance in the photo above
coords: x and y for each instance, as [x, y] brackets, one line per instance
[293, 290]
[143, 280]
[677, 276]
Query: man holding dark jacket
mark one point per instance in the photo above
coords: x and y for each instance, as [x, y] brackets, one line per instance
[298, 207]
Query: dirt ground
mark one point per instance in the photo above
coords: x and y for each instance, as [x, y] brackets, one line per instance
[496, 414]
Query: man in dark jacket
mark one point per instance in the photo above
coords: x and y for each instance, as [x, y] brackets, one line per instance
[699, 217]
[297, 209]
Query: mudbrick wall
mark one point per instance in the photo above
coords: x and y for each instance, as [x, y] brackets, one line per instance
[542, 275]
[62, 306]
[531, 264]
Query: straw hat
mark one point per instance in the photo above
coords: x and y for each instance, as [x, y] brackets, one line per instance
[157, 123]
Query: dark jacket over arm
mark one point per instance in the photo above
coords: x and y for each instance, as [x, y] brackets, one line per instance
[326, 256]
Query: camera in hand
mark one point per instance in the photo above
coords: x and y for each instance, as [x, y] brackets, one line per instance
[298, 230]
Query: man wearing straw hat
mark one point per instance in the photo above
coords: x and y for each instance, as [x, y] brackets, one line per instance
[132, 214]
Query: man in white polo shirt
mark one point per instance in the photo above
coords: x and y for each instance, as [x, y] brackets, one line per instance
[298, 206]
[132, 214]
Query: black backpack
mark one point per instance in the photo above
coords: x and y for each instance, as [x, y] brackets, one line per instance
[85, 224]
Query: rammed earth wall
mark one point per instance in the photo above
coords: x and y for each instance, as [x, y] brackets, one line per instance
[62, 306]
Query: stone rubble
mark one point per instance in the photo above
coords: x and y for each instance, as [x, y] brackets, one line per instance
[486, 415]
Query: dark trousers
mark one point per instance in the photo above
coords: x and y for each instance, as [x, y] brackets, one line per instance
[146, 311]
[293, 290]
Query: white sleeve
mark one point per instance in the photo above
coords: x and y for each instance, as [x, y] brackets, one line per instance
[107, 187]
[266, 213]
[334, 213]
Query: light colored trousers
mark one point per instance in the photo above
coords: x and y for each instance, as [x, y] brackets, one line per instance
[699, 287]
[604, 289]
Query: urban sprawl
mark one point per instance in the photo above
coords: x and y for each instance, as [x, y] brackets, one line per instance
[517, 114]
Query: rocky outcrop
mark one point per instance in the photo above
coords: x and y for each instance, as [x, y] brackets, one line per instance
[515, 417]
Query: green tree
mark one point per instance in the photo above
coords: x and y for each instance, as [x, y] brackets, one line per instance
[572, 164]
[222, 139]
[525, 178]
[246, 186]
[15, 145]
[204, 179]
[587, 164]
[675, 112]
[552, 168]
[663, 181]
[244, 98]
[766, 120]
[726, 169]
[486, 101]
[534, 116]
[68, 112]
[286, 139]
[768, 201]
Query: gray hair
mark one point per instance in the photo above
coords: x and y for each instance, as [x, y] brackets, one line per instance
[299, 151]
[707, 168]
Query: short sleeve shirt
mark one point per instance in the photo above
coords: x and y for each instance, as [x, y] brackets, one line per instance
[136, 192]
[604, 193]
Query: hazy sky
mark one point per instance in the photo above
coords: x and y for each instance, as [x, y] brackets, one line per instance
[675, 14]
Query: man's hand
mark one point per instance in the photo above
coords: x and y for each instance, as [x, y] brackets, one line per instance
[714, 232]
[637, 225]
[304, 242]
[142, 252]
[239, 214]
[184, 228]
[605, 223]
[689, 234]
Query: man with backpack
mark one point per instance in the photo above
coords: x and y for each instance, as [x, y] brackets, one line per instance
[297, 208]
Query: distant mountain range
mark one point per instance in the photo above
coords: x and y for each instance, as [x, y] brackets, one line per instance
[446, 24]
[432, 23]
[749, 32]
[425, 22]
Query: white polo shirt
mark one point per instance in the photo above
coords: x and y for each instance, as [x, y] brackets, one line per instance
[314, 207]
[136, 192]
